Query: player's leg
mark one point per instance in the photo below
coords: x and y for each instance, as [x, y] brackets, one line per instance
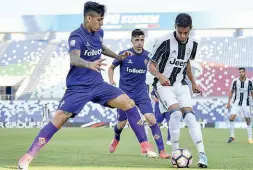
[247, 115]
[167, 117]
[118, 128]
[233, 112]
[111, 96]
[44, 137]
[168, 100]
[184, 98]
[71, 104]
[145, 107]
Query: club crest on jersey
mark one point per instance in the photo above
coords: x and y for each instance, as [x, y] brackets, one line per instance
[101, 39]
[145, 61]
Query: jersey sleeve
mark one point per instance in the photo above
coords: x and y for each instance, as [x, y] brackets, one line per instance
[250, 85]
[194, 50]
[74, 43]
[157, 50]
[101, 33]
[233, 86]
[117, 62]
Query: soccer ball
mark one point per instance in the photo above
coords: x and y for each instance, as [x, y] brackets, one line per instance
[181, 158]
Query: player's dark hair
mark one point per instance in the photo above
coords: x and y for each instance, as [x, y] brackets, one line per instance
[93, 7]
[242, 68]
[183, 20]
[137, 33]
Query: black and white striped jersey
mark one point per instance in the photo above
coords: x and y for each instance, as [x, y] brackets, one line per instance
[241, 91]
[171, 57]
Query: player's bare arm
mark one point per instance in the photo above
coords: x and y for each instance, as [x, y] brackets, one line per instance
[76, 60]
[195, 87]
[106, 51]
[152, 69]
[229, 98]
[110, 75]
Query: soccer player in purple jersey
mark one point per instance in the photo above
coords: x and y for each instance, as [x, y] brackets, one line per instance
[132, 81]
[85, 83]
[161, 113]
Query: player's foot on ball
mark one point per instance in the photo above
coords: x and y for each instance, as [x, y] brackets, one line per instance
[113, 145]
[24, 162]
[147, 150]
[230, 139]
[203, 162]
[164, 155]
[168, 142]
[250, 141]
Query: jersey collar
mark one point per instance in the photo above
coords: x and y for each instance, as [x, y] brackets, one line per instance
[132, 50]
[86, 31]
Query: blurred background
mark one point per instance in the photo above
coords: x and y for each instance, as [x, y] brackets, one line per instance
[34, 57]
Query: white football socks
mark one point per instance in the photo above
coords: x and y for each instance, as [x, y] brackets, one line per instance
[195, 131]
[174, 126]
[232, 129]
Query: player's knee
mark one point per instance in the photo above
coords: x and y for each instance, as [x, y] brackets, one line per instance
[150, 118]
[129, 103]
[60, 118]
[175, 115]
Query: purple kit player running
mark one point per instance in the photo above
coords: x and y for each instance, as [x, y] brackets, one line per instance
[133, 71]
[85, 83]
[160, 113]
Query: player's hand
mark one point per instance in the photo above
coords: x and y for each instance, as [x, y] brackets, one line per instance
[125, 54]
[196, 89]
[97, 65]
[112, 82]
[164, 81]
[228, 106]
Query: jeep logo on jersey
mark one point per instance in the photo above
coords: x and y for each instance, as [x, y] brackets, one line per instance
[92, 52]
[177, 62]
[134, 70]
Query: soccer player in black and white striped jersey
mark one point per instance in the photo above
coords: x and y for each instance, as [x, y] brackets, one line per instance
[242, 94]
[170, 64]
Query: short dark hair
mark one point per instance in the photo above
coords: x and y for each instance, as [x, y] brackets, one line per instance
[242, 68]
[183, 20]
[137, 32]
[93, 7]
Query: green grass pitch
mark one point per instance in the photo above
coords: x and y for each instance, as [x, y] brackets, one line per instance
[87, 148]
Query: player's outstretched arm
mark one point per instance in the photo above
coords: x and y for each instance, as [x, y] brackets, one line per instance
[77, 61]
[195, 87]
[106, 51]
[152, 69]
[110, 75]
